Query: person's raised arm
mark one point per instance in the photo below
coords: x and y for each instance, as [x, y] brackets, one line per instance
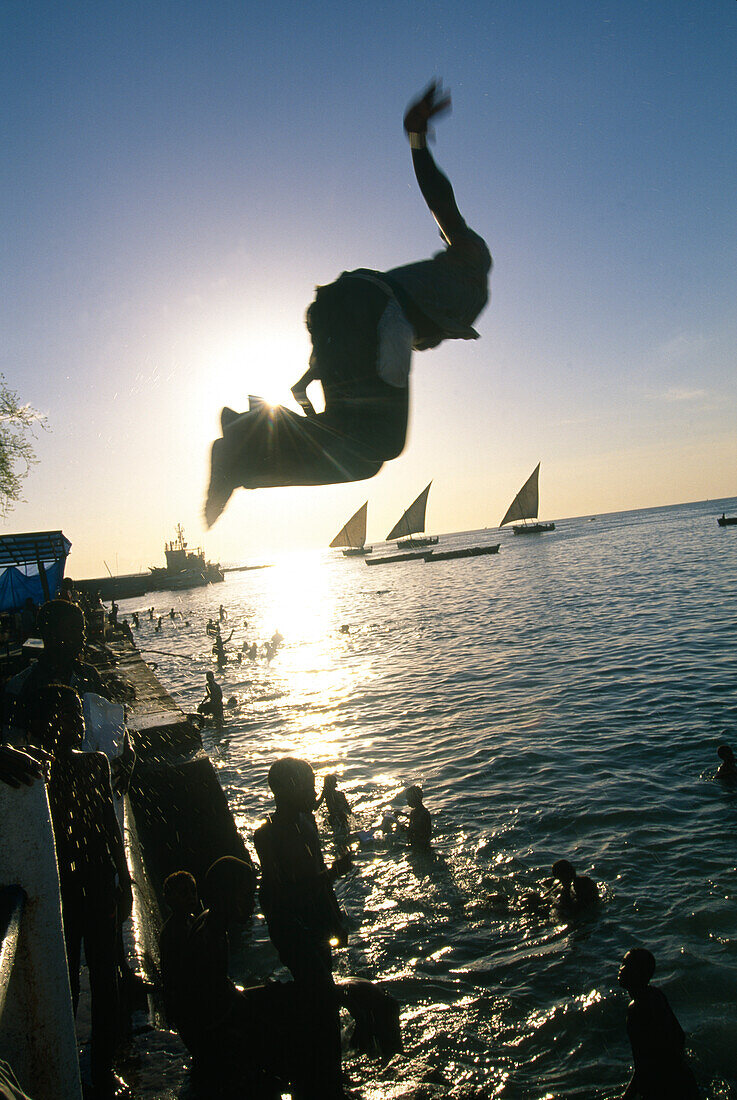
[434, 185]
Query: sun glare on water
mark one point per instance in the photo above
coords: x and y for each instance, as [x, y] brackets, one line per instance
[312, 660]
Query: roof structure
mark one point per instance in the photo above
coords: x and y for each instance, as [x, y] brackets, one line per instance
[31, 567]
[32, 548]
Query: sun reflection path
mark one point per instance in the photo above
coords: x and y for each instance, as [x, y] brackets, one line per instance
[316, 676]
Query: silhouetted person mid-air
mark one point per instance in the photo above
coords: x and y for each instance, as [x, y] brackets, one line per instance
[656, 1037]
[364, 327]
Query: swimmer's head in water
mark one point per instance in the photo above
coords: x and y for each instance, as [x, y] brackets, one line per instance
[638, 967]
[180, 893]
[725, 753]
[230, 887]
[413, 796]
[563, 872]
[293, 782]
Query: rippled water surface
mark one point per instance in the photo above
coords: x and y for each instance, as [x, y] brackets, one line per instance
[562, 698]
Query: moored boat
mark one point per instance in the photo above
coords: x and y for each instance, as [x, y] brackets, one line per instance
[727, 521]
[184, 568]
[352, 536]
[392, 559]
[409, 529]
[466, 552]
[525, 507]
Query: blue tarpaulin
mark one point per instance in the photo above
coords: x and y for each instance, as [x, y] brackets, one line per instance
[27, 560]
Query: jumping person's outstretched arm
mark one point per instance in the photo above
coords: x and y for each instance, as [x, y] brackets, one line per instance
[435, 187]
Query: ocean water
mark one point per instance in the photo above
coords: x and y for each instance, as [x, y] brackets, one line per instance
[564, 698]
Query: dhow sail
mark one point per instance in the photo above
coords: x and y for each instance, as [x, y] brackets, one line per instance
[525, 504]
[353, 534]
[413, 519]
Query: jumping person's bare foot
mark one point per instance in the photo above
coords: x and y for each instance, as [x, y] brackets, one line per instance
[227, 416]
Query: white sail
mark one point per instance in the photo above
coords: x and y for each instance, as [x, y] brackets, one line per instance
[413, 520]
[353, 534]
[525, 504]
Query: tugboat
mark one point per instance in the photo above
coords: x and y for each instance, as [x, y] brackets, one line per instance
[184, 568]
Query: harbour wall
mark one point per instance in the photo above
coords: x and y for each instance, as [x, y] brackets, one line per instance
[176, 818]
[177, 815]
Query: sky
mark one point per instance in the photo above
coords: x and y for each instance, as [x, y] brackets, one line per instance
[177, 177]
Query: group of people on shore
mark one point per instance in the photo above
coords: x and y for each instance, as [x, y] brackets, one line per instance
[48, 733]
[235, 1034]
[285, 1035]
[305, 923]
[246, 649]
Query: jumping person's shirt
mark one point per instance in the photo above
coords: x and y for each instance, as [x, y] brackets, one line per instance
[449, 291]
[429, 301]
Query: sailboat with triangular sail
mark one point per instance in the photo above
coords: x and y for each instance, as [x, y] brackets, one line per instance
[525, 506]
[412, 524]
[352, 537]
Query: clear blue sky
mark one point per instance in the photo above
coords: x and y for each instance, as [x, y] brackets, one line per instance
[177, 177]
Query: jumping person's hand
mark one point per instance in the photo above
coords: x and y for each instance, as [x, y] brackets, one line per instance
[299, 393]
[433, 101]
[299, 390]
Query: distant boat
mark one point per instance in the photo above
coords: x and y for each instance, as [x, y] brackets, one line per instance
[184, 568]
[466, 552]
[413, 523]
[352, 537]
[524, 507]
[726, 521]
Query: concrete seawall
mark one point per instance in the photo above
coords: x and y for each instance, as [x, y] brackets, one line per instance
[177, 815]
[176, 818]
[37, 1026]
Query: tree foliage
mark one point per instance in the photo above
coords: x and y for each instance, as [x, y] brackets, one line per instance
[18, 425]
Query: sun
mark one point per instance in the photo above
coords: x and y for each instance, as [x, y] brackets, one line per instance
[266, 365]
